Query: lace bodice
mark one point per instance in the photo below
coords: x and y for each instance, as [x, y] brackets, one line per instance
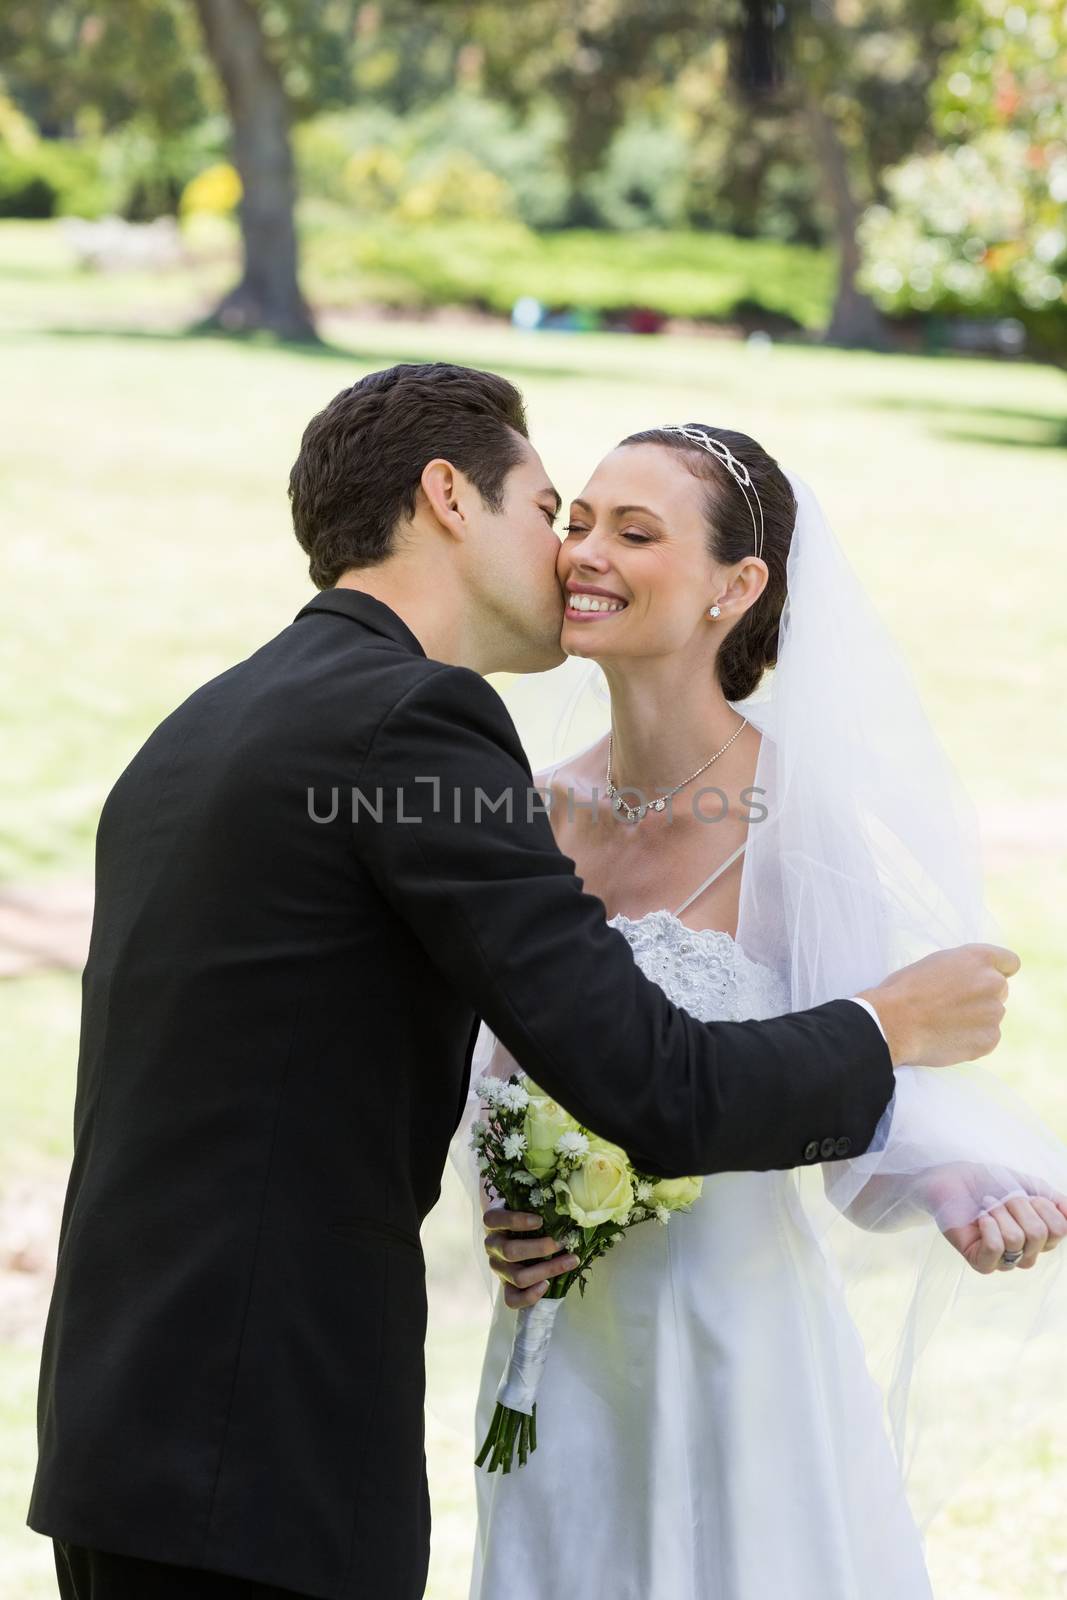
[704, 970]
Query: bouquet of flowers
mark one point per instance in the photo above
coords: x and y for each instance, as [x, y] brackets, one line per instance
[538, 1158]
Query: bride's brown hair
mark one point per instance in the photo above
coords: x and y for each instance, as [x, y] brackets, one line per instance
[751, 646]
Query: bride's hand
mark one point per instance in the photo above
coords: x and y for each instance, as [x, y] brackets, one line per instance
[506, 1249]
[1032, 1224]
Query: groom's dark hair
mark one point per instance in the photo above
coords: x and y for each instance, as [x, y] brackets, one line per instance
[361, 459]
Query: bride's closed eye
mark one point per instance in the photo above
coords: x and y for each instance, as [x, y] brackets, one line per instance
[634, 538]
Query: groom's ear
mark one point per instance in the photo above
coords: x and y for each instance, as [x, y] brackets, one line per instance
[445, 489]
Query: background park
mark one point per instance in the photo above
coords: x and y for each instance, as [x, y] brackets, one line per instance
[839, 226]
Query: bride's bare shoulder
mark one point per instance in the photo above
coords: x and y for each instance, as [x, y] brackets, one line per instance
[581, 773]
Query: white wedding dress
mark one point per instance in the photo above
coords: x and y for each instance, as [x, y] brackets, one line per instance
[707, 1426]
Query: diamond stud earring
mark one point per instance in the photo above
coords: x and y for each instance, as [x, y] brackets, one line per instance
[713, 611]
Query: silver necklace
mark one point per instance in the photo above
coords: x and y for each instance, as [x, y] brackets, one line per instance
[635, 813]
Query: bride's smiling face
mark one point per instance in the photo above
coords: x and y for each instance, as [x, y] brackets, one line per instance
[636, 549]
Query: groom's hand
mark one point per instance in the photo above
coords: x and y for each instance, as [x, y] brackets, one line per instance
[946, 1008]
[508, 1245]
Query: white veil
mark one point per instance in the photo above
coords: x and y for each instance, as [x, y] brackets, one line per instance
[868, 859]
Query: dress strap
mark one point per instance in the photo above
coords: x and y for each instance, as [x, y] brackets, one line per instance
[546, 782]
[719, 870]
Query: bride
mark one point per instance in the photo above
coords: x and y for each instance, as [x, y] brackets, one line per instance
[708, 1427]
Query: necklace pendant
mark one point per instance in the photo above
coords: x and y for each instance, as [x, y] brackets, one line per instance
[634, 814]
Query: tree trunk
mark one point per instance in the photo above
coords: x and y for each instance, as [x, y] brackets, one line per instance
[268, 295]
[856, 321]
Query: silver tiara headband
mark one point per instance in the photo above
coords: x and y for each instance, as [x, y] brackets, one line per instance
[737, 469]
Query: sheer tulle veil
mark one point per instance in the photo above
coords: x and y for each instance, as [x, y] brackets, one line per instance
[868, 858]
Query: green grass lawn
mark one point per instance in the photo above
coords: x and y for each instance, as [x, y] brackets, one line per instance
[147, 547]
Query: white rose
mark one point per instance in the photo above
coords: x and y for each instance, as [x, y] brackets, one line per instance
[546, 1123]
[676, 1193]
[599, 1190]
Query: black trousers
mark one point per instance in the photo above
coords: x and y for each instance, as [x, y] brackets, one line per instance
[100, 1575]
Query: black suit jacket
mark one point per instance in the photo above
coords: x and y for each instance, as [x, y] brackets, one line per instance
[277, 1025]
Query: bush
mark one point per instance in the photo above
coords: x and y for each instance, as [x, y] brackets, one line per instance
[215, 192]
[129, 173]
[494, 264]
[979, 225]
[147, 176]
[51, 178]
[462, 157]
[455, 187]
[643, 182]
[975, 229]
[25, 191]
[525, 154]
[325, 146]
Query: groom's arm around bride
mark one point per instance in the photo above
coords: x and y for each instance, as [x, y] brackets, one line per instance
[467, 860]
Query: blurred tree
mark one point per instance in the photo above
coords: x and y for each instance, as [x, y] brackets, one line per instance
[130, 71]
[836, 88]
[599, 61]
[98, 66]
[634, 113]
[980, 225]
[855, 91]
[626, 108]
[268, 295]
[78, 66]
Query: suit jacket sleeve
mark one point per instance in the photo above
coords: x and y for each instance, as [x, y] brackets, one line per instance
[465, 855]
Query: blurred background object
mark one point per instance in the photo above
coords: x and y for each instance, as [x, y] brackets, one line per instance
[881, 163]
[216, 213]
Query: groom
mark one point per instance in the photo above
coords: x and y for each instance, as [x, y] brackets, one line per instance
[312, 880]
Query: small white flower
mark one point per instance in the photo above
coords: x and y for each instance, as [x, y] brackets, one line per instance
[571, 1241]
[527, 1179]
[478, 1133]
[513, 1097]
[538, 1197]
[572, 1144]
[514, 1145]
[644, 1192]
[663, 1216]
[488, 1089]
[484, 1163]
[638, 1214]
